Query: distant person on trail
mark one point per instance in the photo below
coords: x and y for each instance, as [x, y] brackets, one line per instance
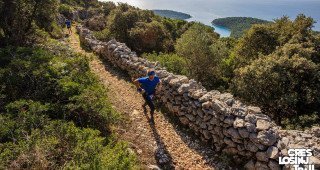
[147, 87]
[68, 24]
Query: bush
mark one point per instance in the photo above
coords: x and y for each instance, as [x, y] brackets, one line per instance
[276, 67]
[56, 31]
[96, 23]
[285, 87]
[259, 40]
[49, 101]
[263, 40]
[149, 37]
[172, 62]
[301, 121]
[81, 3]
[21, 117]
[62, 145]
[200, 48]
[66, 10]
[64, 81]
[91, 108]
[104, 35]
[20, 18]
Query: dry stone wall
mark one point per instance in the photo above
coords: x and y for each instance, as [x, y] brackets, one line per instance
[227, 123]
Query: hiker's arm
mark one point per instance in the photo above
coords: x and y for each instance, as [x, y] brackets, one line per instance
[136, 83]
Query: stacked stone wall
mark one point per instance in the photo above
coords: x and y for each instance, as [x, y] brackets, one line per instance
[230, 125]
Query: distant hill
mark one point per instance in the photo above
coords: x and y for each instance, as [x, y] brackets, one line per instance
[172, 14]
[238, 25]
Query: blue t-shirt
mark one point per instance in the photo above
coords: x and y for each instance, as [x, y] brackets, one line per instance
[148, 85]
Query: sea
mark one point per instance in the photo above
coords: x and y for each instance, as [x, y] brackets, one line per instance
[205, 11]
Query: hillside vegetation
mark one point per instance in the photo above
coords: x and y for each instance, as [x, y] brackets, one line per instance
[274, 66]
[238, 25]
[172, 14]
[54, 113]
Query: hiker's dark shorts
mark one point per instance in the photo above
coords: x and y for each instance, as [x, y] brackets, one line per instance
[149, 102]
[69, 26]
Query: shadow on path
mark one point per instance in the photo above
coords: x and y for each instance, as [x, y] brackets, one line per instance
[163, 157]
[187, 135]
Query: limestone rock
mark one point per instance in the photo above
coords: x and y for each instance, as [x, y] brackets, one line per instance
[253, 110]
[249, 165]
[238, 123]
[263, 124]
[262, 156]
[218, 106]
[273, 152]
[261, 166]
[184, 120]
[229, 120]
[251, 118]
[197, 93]
[230, 150]
[183, 88]
[283, 143]
[205, 97]
[243, 132]
[250, 127]
[206, 134]
[230, 102]
[274, 165]
[267, 138]
[233, 133]
[251, 147]
[229, 142]
[315, 161]
[206, 105]
[191, 117]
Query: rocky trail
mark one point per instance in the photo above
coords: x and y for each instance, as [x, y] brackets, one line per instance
[164, 144]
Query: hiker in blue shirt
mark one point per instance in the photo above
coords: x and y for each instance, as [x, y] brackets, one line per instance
[68, 24]
[147, 87]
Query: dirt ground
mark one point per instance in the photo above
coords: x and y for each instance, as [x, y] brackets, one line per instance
[164, 144]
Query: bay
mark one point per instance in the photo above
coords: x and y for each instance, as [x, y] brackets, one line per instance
[206, 10]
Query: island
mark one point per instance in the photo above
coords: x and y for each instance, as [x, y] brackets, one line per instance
[172, 14]
[238, 25]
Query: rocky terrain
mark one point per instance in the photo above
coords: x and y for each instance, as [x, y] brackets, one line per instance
[231, 126]
[164, 144]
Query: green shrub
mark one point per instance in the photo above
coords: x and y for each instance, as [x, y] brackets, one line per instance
[286, 87]
[149, 37]
[104, 35]
[301, 121]
[91, 108]
[81, 3]
[20, 18]
[50, 105]
[172, 62]
[62, 145]
[259, 40]
[65, 9]
[57, 31]
[20, 118]
[204, 54]
[276, 67]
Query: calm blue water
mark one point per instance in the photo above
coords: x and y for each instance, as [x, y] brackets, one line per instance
[224, 32]
[206, 10]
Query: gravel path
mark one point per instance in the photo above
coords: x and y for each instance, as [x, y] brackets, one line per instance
[165, 144]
